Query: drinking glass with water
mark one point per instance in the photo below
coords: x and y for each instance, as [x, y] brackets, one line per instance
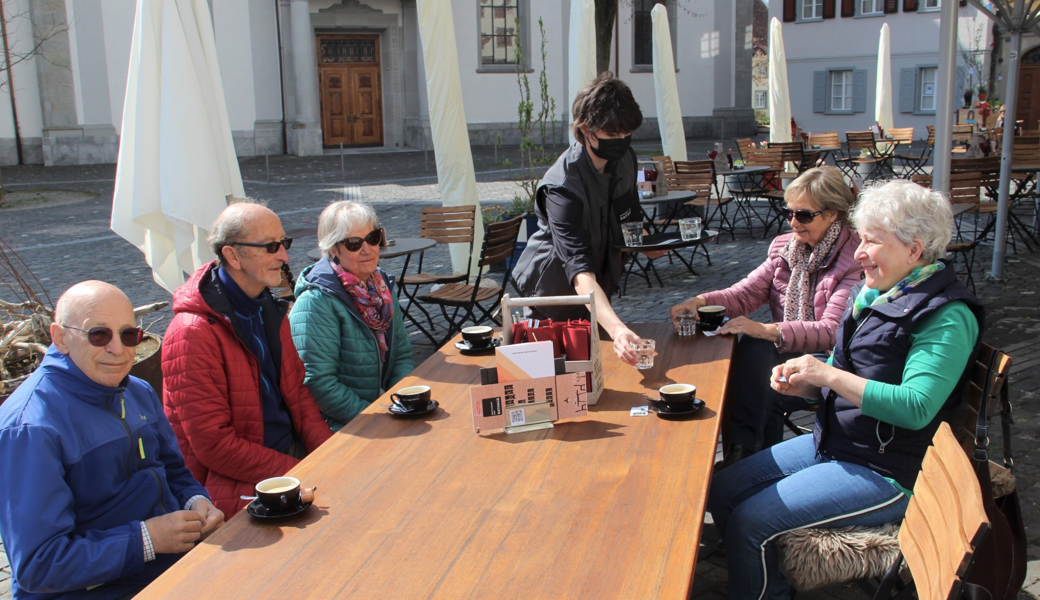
[687, 323]
[690, 229]
[645, 351]
[633, 233]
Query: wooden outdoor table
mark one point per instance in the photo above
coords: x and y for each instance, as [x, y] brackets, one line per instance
[607, 506]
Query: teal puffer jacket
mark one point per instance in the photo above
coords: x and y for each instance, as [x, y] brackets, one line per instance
[339, 350]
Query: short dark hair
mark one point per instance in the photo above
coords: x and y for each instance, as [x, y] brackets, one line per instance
[605, 104]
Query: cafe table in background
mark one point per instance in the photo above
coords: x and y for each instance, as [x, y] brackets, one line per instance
[606, 506]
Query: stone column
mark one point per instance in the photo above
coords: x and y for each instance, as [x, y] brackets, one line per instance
[305, 134]
[61, 127]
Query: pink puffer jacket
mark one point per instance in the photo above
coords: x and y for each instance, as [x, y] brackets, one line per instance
[768, 283]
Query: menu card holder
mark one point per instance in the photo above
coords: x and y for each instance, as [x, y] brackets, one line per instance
[526, 404]
[594, 365]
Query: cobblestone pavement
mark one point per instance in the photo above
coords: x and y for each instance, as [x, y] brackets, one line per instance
[70, 243]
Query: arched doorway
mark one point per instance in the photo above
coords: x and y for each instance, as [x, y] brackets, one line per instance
[1029, 89]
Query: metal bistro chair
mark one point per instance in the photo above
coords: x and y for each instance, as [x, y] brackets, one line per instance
[858, 142]
[466, 299]
[767, 187]
[444, 225]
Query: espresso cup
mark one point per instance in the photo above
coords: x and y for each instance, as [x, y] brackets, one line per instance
[711, 317]
[678, 396]
[478, 336]
[412, 398]
[279, 493]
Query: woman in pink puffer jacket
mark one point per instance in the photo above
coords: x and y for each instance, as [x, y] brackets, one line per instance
[805, 279]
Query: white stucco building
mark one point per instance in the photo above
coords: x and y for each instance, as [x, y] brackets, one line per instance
[301, 76]
[832, 48]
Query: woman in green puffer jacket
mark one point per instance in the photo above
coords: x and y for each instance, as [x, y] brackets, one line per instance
[346, 322]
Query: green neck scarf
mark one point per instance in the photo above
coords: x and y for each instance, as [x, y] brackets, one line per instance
[871, 297]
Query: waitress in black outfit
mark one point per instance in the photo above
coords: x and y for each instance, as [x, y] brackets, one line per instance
[581, 203]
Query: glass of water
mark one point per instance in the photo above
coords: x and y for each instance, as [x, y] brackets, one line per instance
[690, 229]
[633, 233]
[687, 323]
[645, 351]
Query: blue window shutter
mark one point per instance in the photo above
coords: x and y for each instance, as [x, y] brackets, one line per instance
[819, 91]
[859, 90]
[907, 86]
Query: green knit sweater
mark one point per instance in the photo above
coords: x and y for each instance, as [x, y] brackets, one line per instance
[339, 351]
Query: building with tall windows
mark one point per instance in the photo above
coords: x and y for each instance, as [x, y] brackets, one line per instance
[304, 76]
[832, 48]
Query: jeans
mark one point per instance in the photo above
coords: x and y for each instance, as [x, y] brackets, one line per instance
[756, 411]
[789, 487]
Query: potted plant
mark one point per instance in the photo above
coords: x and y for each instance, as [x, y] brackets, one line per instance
[982, 93]
[968, 93]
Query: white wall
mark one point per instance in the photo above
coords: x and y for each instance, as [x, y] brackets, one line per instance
[235, 56]
[118, 16]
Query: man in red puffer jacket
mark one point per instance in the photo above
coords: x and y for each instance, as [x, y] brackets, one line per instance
[232, 379]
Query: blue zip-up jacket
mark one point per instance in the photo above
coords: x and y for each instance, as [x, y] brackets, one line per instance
[81, 466]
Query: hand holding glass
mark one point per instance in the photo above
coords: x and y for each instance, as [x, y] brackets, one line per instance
[644, 350]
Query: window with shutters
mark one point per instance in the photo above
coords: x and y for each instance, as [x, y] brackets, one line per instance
[810, 10]
[869, 8]
[761, 99]
[926, 102]
[643, 33]
[841, 91]
[497, 40]
[929, 5]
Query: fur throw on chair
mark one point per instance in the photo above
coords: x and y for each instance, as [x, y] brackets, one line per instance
[814, 558]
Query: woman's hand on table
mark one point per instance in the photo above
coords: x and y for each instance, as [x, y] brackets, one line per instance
[803, 377]
[623, 339]
[691, 305]
[746, 326]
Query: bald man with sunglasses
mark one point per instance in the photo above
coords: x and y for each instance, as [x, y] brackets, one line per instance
[95, 498]
[232, 378]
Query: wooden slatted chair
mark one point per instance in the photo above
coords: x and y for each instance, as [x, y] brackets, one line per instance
[863, 150]
[793, 155]
[863, 553]
[770, 192]
[444, 225]
[745, 145]
[466, 300]
[913, 164]
[962, 134]
[826, 139]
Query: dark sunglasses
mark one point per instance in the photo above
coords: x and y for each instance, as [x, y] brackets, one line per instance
[271, 247]
[804, 217]
[353, 244]
[101, 336]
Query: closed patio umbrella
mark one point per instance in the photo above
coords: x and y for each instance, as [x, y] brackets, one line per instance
[177, 167]
[669, 115]
[883, 92]
[779, 98]
[581, 50]
[457, 180]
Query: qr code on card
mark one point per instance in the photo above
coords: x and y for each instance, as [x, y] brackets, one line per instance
[516, 417]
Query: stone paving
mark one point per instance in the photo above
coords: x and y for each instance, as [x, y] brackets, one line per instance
[70, 243]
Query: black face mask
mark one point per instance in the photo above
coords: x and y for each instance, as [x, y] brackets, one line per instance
[612, 149]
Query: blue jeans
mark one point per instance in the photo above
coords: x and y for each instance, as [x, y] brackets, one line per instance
[788, 487]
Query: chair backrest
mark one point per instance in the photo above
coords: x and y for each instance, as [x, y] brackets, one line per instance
[982, 164]
[922, 180]
[829, 138]
[792, 151]
[743, 146]
[666, 164]
[964, 187]
[691, 167]
[701, 183]
[448, 224]
[931, 135]
[769, 157]
[859, 140]
[945, 520]
[901, 134]
[1025, 154]
[962, 134]
[499, 242]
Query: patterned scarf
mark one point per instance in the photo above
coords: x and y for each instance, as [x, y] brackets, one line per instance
[804, 261]
[373, 301]
[871, 297]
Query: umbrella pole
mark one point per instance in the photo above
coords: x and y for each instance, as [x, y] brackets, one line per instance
[944, 113]
[1003, 202]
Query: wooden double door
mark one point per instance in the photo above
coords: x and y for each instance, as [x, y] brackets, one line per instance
[351, 90]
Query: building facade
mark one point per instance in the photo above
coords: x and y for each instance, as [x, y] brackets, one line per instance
[304, 76]
[832, 49]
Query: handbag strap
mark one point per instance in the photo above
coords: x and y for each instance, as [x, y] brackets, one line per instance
[982, 424]
[1006, 421]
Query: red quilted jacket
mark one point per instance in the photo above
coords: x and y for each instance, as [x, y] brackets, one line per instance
[211, 393]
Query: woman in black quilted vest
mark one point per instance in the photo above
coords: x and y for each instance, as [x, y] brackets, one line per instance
[899, 363]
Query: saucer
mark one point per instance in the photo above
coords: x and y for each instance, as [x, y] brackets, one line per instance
[262, 512]
[467, 349]
[659, 406]
[400, 412]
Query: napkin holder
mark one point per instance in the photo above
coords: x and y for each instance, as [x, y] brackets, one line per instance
[595, 363]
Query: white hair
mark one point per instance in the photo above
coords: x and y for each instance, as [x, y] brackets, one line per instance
[910, 212]
[339, 219]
